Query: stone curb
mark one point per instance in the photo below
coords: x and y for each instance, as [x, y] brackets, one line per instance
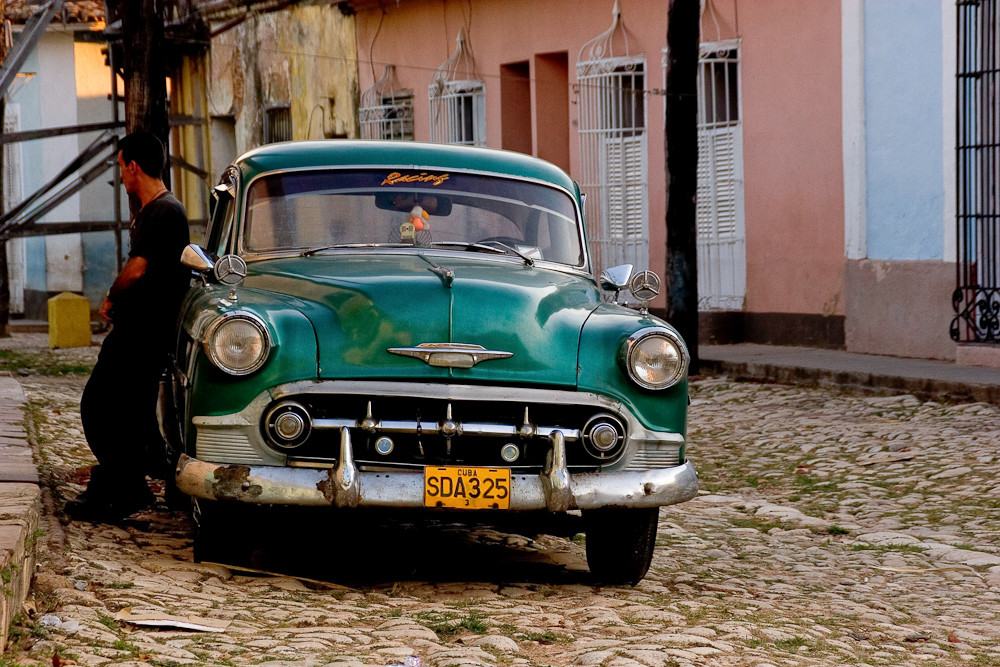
[923, 388]
[20, 507]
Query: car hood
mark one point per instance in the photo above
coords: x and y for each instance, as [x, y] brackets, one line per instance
[361, 305]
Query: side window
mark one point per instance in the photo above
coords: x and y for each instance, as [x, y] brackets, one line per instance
[223, 214]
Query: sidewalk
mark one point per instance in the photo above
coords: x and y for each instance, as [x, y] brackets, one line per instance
[932, 380]
[20, 506]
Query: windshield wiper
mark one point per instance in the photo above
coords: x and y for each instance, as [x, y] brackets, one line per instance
[338, 246]
[503, 248]
[527, 260]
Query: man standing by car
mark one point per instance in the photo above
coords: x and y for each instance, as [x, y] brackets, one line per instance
[118, 408]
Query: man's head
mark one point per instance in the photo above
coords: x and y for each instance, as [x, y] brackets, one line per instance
[140, 153]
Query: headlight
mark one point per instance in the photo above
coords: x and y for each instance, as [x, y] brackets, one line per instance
[238, 343]
[655, 358]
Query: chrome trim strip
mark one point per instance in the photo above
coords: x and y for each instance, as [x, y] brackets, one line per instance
[414, 427]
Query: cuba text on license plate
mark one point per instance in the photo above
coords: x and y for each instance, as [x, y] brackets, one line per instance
[467, 487]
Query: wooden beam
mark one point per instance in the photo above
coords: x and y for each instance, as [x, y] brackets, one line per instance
[29, 135]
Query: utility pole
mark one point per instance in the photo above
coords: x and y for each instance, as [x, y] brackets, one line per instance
[143, 68]
[4, 270]
[681, 144]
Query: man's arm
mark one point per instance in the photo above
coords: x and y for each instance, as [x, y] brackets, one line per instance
[134, 269]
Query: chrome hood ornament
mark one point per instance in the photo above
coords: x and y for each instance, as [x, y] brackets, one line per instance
[450, 355]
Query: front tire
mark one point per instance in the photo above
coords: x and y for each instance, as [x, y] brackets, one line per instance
[620, 543]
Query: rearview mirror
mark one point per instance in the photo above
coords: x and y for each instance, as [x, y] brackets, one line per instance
[405, 201]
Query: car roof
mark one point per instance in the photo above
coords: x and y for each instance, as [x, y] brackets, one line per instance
[399, 155]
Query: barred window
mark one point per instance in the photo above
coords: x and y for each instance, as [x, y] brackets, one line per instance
[386, 110]
[457, 98]
[277, 123]
[613, 158]
[458, 113]
[611, 98]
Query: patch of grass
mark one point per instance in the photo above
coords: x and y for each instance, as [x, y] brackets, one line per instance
[127, 646]
[475, 623]
[762, 526]
[792, 644]
[837, 530]
[809, 484]
[547, 637]
[902, 548]
[43, 363]
[120, 584]
[107, 621]
[4, 662]
[446, 624]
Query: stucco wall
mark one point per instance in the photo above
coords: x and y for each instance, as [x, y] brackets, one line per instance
[93, 85]
[900, 308]
[791, 82]
[903, 118]
[304, 56]
[899, 292]
[69, 85]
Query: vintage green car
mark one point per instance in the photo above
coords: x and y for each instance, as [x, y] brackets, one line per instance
[401, 325]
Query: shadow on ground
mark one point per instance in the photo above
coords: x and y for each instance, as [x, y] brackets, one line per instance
[360, 549]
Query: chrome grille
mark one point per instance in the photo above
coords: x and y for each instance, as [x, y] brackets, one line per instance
[226, 446]
[432, 431]
[662, 456]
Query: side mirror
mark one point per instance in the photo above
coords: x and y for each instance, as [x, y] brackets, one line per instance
[196, 258]
[615, 279]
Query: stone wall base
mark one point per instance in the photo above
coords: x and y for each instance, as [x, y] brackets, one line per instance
[901, 309]
[978, 355]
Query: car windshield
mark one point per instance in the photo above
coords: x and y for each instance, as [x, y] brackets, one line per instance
[312, 211]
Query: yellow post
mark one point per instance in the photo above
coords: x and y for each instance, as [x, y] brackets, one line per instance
[69, 321]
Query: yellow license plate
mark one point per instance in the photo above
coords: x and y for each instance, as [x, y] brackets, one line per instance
[467, 488]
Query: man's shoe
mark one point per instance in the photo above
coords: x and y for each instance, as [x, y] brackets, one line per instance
[87, 508]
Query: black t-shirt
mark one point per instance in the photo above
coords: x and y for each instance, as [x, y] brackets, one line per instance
[159, 234]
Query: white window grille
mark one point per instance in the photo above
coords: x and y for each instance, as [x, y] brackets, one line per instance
[458, 99]
[386, 110]
[613, 155]
[720, 215]
[11, 197]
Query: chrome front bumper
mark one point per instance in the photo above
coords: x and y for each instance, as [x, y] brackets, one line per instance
[554, 489]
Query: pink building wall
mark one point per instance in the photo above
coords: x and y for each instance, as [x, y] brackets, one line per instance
[792, 150]
[791, 83]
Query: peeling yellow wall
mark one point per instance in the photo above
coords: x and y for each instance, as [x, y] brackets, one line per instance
[305, 56]
[190, 141]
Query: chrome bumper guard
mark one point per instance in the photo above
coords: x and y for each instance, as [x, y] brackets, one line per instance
[554, 489]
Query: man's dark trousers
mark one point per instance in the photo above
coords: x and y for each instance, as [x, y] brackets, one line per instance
[118, 411]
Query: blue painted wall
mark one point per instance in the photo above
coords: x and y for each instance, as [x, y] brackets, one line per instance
[29, 100]
[905, 197]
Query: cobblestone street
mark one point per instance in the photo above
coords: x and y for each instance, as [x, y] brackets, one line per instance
[830, 529]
